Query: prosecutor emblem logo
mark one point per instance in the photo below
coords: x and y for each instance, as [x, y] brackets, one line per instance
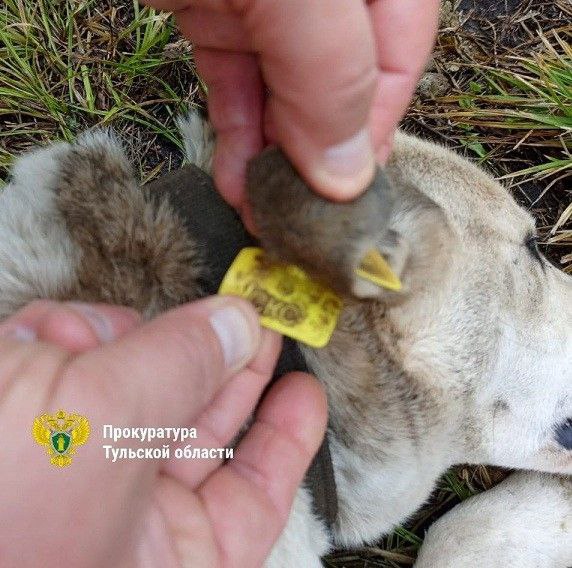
[61, 434]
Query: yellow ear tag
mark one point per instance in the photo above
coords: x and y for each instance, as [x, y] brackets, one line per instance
[375, 268]
[286, 298]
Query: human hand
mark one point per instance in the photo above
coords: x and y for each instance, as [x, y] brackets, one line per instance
[339, 77]
[202, 365]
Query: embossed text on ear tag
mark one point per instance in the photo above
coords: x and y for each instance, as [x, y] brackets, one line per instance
[286, 298]
[375, 268]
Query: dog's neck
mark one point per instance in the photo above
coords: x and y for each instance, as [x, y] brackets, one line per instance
[376, 402]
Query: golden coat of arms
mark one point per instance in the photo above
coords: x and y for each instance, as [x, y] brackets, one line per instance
[60, 434]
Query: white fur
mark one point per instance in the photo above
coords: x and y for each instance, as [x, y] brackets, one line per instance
[525, 522]
[37, 256]
[304, 540]
[198, 140]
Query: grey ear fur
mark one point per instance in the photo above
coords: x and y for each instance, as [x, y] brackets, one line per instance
[416, 241]
[327, 239]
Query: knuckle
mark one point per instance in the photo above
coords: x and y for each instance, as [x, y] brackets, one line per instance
[355, 89]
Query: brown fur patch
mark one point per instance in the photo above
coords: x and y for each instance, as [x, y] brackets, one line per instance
[134, 253]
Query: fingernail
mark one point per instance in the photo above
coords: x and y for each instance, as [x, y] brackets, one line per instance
[347, 168]
[235, 334]
[22, 333]
[99, 323]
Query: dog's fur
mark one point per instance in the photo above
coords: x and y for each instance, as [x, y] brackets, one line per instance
[471, 362]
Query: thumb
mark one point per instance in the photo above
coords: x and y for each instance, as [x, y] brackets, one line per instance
[167, 370]
[321, 88]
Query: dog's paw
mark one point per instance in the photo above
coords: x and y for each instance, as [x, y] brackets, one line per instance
[329, 240]
[521, 523]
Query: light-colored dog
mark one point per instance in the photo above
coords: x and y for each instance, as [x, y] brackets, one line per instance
[470, 363]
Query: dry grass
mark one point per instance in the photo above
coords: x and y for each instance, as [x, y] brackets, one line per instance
[73, 64]
[500, 91]
[507, 102]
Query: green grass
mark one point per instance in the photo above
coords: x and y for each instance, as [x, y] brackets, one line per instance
[510, 108]
[532, 99]
[533, 103]
[71, 65]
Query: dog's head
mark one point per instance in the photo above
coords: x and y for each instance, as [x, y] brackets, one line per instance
[482, 317]
[500, 312]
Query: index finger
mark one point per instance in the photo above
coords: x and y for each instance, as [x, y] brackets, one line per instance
[405, 32]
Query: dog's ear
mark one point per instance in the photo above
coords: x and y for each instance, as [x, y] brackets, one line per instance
[329, 240]
[360, 248]
[417, 241]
